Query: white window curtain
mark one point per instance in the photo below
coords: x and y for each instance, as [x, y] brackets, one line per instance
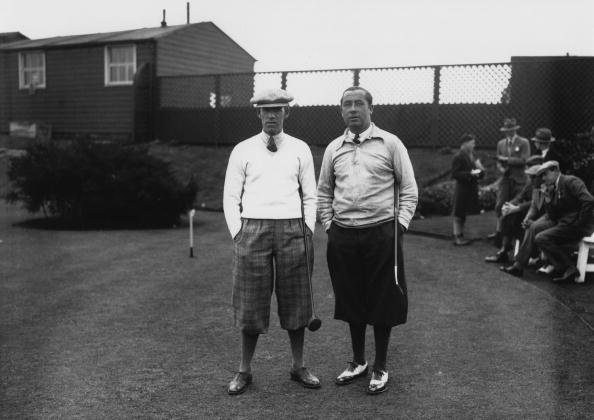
[120, 64]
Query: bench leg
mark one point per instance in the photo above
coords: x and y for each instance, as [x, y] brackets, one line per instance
[582, 262]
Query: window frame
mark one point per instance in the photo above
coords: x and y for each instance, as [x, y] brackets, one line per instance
[108, 65]
[21, 58]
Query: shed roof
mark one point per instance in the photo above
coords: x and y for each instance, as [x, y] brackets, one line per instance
[133, 35]
[7, 37]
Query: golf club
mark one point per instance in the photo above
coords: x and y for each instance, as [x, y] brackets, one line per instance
[314, 323]
[396, 205]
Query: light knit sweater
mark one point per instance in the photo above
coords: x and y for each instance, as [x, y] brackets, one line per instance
[260, 184]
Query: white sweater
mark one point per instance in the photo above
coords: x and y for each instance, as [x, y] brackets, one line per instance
[260, 184]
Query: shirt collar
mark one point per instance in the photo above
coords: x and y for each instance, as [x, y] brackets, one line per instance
[369, 133]
[278, 138]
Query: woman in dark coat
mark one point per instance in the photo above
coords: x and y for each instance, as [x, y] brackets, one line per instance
[466, 170]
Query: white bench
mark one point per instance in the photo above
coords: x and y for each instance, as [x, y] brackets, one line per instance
[586, 245]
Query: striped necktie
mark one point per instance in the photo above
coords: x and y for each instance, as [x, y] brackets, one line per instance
[271, 144]
[356, 139]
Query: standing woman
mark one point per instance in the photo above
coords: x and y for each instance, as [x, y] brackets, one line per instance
[466, 170]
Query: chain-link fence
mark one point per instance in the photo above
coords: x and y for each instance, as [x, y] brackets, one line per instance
[428, 106]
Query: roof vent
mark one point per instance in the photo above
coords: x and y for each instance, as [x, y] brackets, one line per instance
[163, 22]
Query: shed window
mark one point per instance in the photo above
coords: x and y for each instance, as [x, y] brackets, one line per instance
[31, 69]
[120, 65]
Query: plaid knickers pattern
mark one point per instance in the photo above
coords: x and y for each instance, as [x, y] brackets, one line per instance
[269, 255]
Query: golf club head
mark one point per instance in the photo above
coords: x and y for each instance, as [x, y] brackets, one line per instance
[314, 324]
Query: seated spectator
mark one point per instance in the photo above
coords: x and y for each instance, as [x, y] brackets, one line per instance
[535, 221]
[571, 206]
[514, 211]
[466, 170]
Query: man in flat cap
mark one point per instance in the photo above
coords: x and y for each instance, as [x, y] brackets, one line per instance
[269, 191]
[367, 195]
[515, 211]
[512, 153]
[571, 206]
[535, 221]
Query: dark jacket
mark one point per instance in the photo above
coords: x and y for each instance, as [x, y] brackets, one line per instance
[466, 200]
[571, 204]
[537, 205]
[524, 197]
[553, 154]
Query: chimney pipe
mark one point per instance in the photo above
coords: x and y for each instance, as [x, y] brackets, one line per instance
[163, 23]
[188, 13]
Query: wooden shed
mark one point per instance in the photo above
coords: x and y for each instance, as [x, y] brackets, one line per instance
[103, 85]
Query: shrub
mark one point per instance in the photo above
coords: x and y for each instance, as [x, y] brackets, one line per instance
[487, 198]
[579, 156]
[437, 199]
[99, 185]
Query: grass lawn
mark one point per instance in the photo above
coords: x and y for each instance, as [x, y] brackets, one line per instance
[123, 324]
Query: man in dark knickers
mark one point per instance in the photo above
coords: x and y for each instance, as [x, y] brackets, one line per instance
[366, 186]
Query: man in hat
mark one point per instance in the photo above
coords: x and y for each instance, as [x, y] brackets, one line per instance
[367, 194]
[535, 221]
[266, 175]
[543, 141]
[571, 206]
[514, 212]
[512, 153]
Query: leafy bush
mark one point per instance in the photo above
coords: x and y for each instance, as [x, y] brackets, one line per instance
[487, 198]
[99, 185]
[579, 154]
[437, 199]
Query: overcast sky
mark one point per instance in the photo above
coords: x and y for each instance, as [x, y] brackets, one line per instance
[325, 34]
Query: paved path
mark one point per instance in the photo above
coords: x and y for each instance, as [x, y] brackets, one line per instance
[121, 324]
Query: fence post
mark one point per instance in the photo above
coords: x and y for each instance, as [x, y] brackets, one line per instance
[217, 89]
[434, 128]
[284, 80]
[356, 77]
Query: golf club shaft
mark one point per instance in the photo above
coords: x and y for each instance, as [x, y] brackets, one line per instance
[396, 208]
[307, 253]
[308, 263]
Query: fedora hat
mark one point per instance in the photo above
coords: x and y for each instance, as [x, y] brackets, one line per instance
[543, 135]
[509, 124]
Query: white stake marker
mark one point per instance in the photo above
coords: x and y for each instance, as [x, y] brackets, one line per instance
[191, 214]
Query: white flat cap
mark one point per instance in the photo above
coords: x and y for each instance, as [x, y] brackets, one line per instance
[549, 164]
[271, 98]
[532, 170]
